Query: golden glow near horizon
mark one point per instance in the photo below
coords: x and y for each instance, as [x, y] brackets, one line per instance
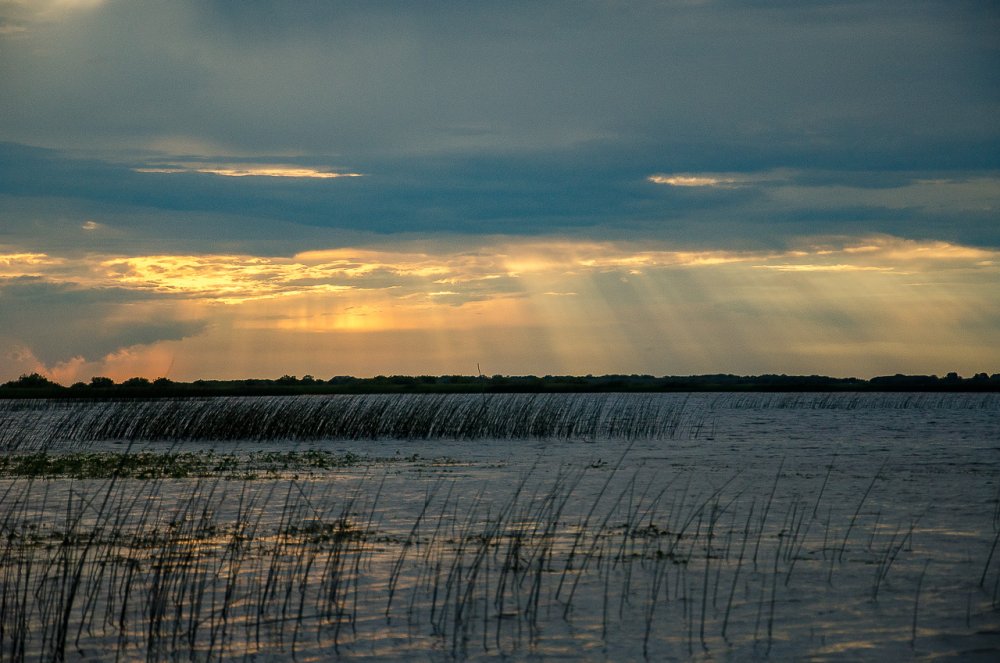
[839, 306]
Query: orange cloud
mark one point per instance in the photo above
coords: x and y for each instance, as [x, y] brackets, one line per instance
[829, 305]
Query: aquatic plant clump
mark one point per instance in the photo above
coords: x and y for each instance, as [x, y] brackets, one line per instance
[183, 465]
[36, 424]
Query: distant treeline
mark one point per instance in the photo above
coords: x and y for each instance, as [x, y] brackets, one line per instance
[38, 386]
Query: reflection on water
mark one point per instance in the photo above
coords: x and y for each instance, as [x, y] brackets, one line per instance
[758, 526]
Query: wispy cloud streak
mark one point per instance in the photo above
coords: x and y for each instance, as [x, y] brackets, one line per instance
[691, 180]
[247, 170]
[234, 278]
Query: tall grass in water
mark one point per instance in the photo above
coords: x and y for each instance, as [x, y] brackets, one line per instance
[33, 424]
[587, 557]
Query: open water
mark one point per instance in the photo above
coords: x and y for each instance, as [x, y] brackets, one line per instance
[538, 527]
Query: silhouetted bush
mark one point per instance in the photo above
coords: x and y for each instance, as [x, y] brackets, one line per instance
[136, 382]
[38, 386]
[32, 381]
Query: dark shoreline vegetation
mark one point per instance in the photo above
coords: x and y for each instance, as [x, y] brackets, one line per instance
[38, 386]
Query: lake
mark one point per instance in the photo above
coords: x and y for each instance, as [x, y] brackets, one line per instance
[481, 527]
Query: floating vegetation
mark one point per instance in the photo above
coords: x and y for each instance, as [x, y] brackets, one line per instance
[183, 465]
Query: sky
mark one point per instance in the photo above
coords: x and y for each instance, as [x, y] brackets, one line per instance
[227, 189]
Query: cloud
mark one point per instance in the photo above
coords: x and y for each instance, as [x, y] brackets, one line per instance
[13, 265]
[221, 278]
[199, 161]
[41, 191]
[8, 29]
[434, 270]
[690, 180]
[807, 267]
[710, 85]
[18, 14]
[590, 305]
[247, 170]
[59, 321]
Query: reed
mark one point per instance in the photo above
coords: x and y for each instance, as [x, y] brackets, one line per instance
[297, 554]
[34, 425]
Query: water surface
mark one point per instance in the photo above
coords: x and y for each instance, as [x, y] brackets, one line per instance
[616, 526]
